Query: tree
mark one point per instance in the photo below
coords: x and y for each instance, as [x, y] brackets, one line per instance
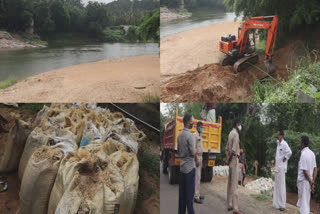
[294, 15]
[150, 28]
[60, 16]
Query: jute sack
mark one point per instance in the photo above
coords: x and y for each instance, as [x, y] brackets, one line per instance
[14, 147]
[35, 140]
[38, 179]
[96, 179]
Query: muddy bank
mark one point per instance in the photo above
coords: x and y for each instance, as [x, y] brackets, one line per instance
[114, 80]
[7, 41]
[167, 15]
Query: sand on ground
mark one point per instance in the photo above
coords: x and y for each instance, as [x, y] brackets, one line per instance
[191, 49]
[190, 69]
[112, 80]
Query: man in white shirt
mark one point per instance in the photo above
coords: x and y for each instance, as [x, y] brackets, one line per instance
[283, 154]
[307, 174]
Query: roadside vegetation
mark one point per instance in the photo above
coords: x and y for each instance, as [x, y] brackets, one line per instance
[304, 77]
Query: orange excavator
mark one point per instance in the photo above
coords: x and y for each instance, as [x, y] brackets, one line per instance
[241, 52]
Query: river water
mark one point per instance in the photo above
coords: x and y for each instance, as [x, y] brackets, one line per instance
[200, 17]
[29, 62]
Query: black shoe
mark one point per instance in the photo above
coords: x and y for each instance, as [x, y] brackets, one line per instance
[282, 209]
[198, 201]
[201, 197]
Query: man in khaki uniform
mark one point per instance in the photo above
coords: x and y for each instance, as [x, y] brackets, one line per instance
[233, 154]
[199, 150]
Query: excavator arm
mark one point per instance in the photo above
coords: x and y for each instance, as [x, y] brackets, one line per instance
[259, 23]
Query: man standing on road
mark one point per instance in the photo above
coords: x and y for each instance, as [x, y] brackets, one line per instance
[307, 174]
[243, 161]
[199, 150]
[188, 162]
[283, 154]
[233, 154]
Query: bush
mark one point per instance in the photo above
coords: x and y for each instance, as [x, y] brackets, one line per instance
[131, 34]
[305, 76]
[293, 140]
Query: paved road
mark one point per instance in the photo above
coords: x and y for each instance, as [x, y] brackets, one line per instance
[215, 199]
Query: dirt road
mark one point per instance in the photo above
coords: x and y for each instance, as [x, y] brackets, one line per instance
[115, 80]
[215, 199]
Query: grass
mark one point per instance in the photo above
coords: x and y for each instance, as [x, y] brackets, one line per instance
[305, 76]
[150, 98]
[34, 39]
[9, 82]
[260, 197]
[150, 163]
[34, 107]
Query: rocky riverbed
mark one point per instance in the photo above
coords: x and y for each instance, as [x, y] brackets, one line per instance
[167, 15]
[7, 41]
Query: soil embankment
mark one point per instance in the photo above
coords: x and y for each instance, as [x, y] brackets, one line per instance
[114, 80]
[8, 41]
[190, 70]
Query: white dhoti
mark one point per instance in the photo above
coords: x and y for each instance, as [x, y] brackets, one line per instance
[279, 194]
[198, 178]
[304, 194]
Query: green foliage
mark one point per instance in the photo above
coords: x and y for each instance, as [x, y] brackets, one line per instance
[294, 15]
[260, 197]
[35, 107]
[71, 16]
[293, 139]
[150, 28]
[9, 82]
[114, 35]
[132, 34]
[304, 76]
[150, 163]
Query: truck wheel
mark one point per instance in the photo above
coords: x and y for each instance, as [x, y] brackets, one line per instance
[173, 172]
[165, 165]
[206, 174]
[210, 174]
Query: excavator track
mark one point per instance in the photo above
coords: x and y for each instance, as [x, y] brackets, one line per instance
[245, 62]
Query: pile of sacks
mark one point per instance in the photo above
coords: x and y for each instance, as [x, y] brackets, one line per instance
[262, 186]
[220, 170]
[76, 159]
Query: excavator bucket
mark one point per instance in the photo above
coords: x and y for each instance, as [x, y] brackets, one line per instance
[270, 68]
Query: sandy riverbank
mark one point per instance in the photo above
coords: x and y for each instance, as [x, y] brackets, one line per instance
[188, 50]
[112, 80]
[167, 15]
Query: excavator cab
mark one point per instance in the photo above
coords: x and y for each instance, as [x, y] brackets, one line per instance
[240, 52]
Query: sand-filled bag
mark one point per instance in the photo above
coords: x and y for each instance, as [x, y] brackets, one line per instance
[38, 179]
[15, 145]
[98, 178]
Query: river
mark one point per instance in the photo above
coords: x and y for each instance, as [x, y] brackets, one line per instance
[29, 62]
[200, 17]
